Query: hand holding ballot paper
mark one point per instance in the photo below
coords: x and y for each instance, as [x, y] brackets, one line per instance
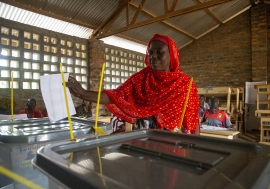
[53, 94]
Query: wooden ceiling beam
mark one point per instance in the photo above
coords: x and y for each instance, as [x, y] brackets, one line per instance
[110, 19]
[137, 12]
[166, 16]
[166, 6]
[173, 6]
[208, 11]
[168, 24]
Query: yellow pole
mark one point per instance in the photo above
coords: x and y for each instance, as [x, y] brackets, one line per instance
[18, 178]
[185, 105]
[67, 106]
[97, 129]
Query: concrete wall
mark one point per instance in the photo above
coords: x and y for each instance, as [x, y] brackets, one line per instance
[21, 96]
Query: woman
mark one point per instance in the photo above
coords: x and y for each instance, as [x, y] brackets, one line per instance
[84, 110]
[158, 91]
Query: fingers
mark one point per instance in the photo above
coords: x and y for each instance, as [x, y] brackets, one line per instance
[67, 84]
[71, 79]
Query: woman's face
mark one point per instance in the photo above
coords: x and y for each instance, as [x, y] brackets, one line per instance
[159, 56]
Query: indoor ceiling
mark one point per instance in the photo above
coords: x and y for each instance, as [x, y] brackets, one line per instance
[138, 20]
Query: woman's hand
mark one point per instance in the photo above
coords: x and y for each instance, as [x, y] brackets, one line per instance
[76, 89]
[74, 86]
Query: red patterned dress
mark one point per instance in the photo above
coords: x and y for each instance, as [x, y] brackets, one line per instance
[157, 93]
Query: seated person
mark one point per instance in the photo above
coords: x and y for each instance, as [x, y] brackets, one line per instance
[118, 124]
[84, 110]
[214, 116]
[203, 106]
[30, 110]
[146, 123]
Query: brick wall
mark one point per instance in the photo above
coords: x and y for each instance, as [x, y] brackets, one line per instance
[268, 41]
[222, 57]
[259, 43]
[96, 59]
[232, 54]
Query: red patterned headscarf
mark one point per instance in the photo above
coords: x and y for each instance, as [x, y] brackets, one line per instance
[157, 93]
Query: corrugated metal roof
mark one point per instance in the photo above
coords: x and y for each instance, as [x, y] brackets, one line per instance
[45, 22]
[229, 10]
[184, 20]
[38, 20]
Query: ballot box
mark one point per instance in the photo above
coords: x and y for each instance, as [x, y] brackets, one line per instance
[20, 140]
[156, 159]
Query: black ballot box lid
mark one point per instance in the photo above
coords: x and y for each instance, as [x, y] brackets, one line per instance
[156, 159]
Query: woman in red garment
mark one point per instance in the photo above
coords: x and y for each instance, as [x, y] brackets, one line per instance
[156, 93]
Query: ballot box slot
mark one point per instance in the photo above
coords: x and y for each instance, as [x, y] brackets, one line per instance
[198, 157]
[46, 126]
[173, 142]
[37, 130]
[185, 144]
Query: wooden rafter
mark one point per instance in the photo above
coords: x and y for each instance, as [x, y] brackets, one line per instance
[211, 13]
[174, 3]
[137, 12]
[167, 23]
[110, 19]
[160, 18]
[103, 30]
[166, 6]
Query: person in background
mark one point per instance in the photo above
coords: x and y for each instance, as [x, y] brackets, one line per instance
[4, 111]
[216, 117]
[84, 110]
[31, 110]
[203, 106]
[157, 92]
[118, 125]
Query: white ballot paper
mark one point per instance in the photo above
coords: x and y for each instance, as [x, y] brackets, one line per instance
[208, 127]
[53, 95]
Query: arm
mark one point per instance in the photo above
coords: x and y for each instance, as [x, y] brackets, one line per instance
[77, 90]
[227, 122]
[204, 118]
